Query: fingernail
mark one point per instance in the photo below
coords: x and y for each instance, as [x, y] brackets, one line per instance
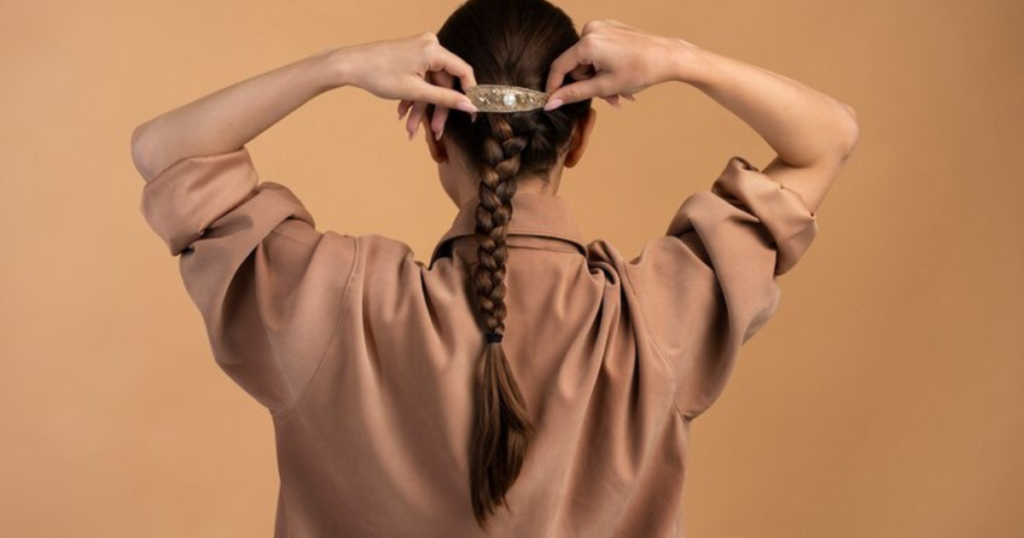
[466, 106]
[437, 135]
[553, 104]
[473, 118]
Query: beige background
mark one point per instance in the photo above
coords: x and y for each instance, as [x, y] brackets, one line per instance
[884, 400]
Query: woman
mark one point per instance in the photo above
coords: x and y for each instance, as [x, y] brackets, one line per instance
[389, 421]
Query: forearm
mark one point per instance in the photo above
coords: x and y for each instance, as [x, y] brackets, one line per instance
[230, 117]
[805, 127]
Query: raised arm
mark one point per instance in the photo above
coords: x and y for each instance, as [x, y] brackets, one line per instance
[227, 119]
[269, 285]
[712, 280]
[812, 133]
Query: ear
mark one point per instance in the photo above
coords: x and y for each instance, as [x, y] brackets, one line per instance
[438, 152]
[580, 137]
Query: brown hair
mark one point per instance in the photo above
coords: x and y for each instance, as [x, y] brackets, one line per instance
[510, 42]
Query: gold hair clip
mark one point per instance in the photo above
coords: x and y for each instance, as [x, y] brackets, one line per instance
[501, 98]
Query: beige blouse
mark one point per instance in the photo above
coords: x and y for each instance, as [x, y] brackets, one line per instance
[364, 356]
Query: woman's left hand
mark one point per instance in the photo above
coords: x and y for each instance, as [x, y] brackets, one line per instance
[417, 70]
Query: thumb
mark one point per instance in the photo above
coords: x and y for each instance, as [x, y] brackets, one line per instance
[577, 91]
[445, 97]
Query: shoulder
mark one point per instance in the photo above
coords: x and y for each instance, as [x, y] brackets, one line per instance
[378, 248]
[661, 253]
[380, 257]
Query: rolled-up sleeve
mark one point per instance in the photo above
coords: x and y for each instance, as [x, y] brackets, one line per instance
[268, 284]
[711, 282]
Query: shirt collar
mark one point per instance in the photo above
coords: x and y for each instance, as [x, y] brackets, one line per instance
[539, 220]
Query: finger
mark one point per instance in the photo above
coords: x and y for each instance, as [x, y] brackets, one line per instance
[614, 101]
[447, 97]
[629, 96]
[582, 72]
[445, 80]
[568, 61]
[448, 65]
[415, 117]
[437, 122]
[578, 91]
[417, 111]
[403, 106]
[447, 62]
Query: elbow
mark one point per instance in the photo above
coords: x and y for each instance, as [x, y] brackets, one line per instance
[142, 153]
[850, 132]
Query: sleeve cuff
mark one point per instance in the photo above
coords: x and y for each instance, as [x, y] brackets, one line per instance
[783, 212]
[187, 197]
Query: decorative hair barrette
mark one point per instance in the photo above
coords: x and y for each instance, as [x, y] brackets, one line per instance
[501, 98]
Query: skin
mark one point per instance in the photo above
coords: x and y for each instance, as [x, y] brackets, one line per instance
[813, 134]
[460, 185]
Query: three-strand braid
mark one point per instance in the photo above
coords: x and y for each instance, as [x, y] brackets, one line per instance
[503, 429]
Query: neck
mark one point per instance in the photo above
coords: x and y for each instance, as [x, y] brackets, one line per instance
[524, 185]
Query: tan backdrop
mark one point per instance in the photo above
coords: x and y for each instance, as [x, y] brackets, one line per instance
[884, 400]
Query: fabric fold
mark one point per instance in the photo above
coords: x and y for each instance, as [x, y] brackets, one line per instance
[368, 359]
[782, 212]
[711, 283]
[183, 201]
[268, 284]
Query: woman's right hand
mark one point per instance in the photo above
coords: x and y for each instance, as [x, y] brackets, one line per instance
[610, 60]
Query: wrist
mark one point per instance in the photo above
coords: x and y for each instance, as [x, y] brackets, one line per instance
[333, 68]
[690, 63]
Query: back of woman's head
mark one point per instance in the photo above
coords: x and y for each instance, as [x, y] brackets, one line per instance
[509, 42]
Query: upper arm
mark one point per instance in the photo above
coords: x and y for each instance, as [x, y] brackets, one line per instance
[267, 283]
[811, 184]
[710, 283]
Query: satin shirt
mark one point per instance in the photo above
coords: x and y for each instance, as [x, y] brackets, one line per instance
[365, 356]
